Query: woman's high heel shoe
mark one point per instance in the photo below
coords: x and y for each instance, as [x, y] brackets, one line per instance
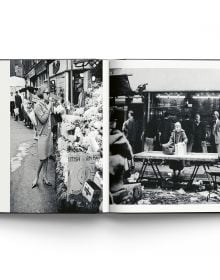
[35, 185]
[46, 182]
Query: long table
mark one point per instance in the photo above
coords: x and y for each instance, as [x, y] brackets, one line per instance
[199, 159]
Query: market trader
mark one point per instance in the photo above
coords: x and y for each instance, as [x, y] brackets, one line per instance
[178, 135]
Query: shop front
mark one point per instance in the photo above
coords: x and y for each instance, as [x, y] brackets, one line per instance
[123, 100]
[86, 74]
[150, 108]
[70, 78]
[41, 74]
[79, 144]
[183, 104]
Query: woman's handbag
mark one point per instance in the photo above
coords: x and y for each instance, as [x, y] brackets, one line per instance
[32, 117]
[16, 111]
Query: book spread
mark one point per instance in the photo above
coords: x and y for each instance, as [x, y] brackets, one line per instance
[99, 136]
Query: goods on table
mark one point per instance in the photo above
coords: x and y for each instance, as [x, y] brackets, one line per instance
[128, 194]
[79, 156]
[159, 196]
[180, 149]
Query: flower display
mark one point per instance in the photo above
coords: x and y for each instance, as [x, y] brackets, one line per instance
[80, 132]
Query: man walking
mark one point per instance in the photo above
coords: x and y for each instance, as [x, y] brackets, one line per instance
[12, 104]
[18, 102]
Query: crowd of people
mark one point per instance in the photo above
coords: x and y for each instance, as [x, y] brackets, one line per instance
[156, 133]
[194, 133]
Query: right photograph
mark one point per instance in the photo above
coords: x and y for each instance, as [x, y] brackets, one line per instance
[164, 132]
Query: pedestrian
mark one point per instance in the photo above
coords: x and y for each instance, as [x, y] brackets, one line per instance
[199, 136]
[12, 104]
[215, 133]
[26, 107]
[18, 103]
[187, 125]
[178, 135]
[165, 128]
[120, 154]
[45, 139]
[149, 136]
[129, 129]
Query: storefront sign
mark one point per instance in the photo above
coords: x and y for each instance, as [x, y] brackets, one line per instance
[31, 74]
[41, 67]
[18, 71]
[84, 63]
[81, 167]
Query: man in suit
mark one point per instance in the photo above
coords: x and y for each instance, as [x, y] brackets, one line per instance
[18, 102]
[199, 135]
[216, 131]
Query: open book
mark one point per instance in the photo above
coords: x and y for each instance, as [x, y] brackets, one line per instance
[94, 136]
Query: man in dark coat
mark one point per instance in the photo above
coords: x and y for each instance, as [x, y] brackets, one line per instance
[165, 128]
[130, 130]
[149, 135]
[199, 135]
[18, 102]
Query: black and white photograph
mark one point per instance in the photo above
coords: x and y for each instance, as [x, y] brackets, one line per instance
[164, 132]
[56, 134]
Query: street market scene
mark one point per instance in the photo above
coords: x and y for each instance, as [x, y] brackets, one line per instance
[56, 136]
[164, 134]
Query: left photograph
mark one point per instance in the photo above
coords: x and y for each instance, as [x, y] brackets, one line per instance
[56, 135]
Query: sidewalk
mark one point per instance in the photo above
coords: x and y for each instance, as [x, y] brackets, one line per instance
[24, 199]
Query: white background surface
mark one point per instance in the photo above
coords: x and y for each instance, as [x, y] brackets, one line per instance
[113, 246]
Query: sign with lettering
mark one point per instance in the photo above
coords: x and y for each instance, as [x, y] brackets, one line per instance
[88, 192]
[31, 73]
[40, 67]
[81, 167]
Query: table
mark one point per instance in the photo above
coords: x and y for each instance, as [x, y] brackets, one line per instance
[199, 159]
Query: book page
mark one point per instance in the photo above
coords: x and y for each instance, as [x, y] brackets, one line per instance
[52, 136]
[164, 136]
[5, 137]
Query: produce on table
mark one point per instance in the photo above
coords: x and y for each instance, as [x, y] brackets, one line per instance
[81, 131]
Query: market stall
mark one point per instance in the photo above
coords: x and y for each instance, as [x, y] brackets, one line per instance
[199, 159]
[79, 156]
